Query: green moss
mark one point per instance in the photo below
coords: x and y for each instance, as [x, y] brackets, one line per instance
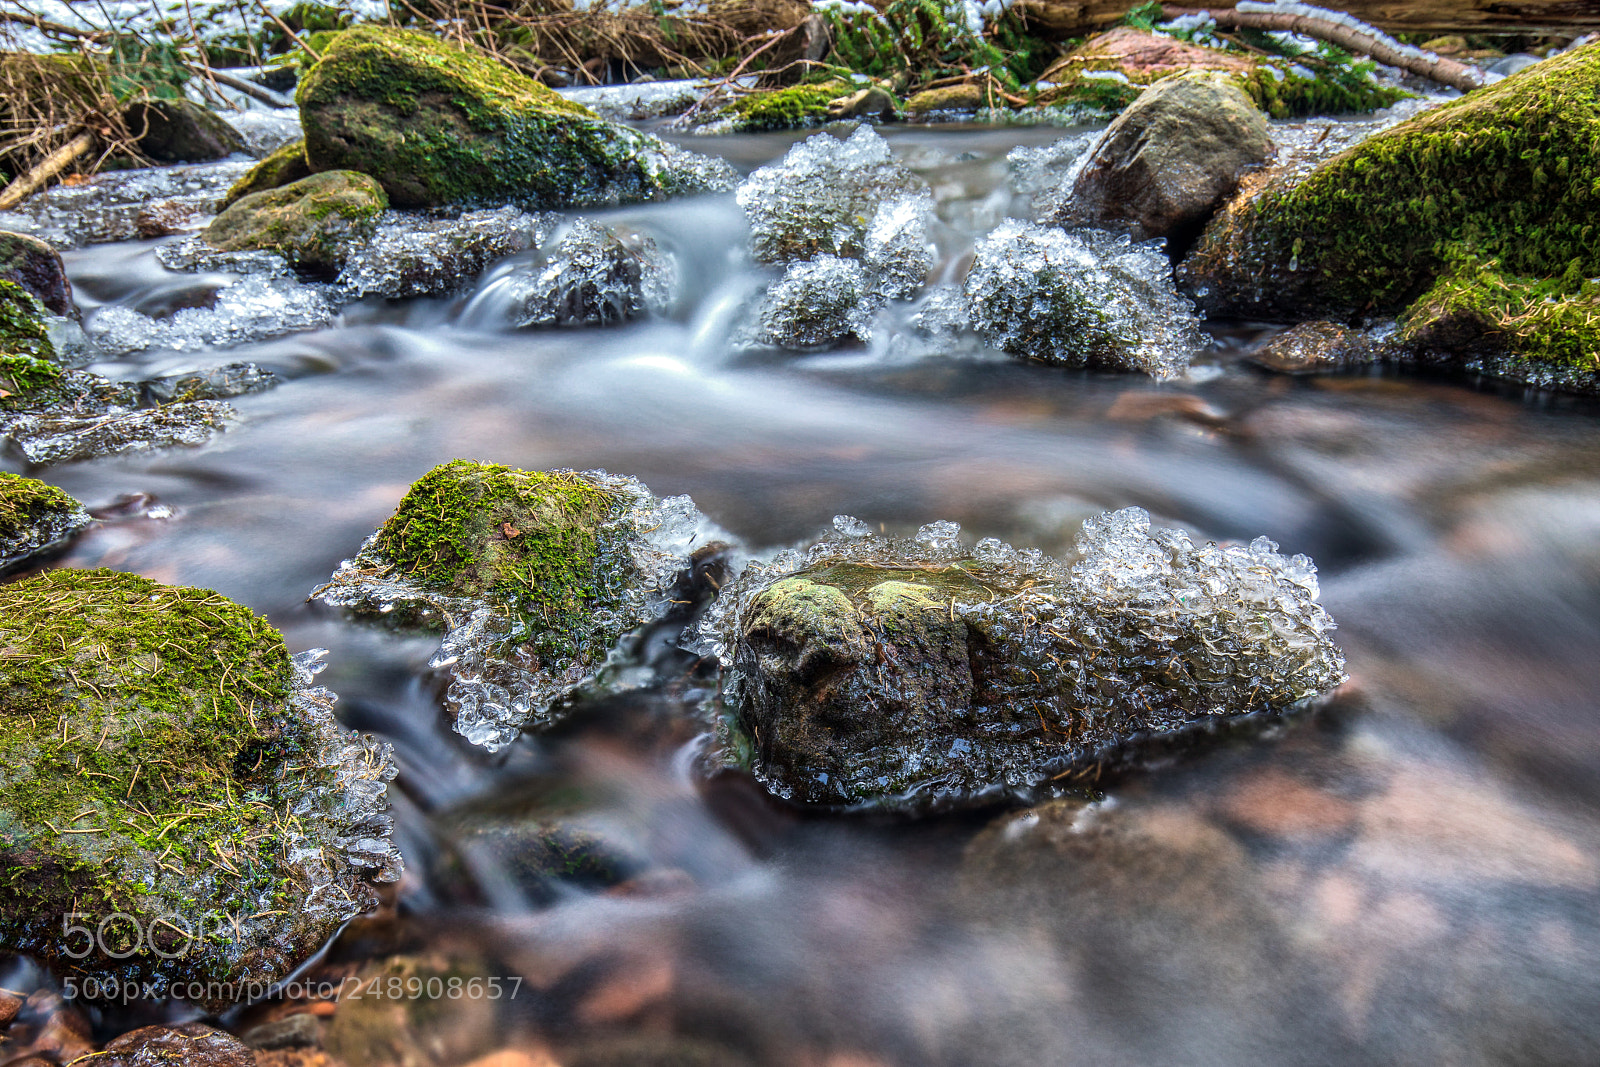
[312, 222]
[24, 500]
[964, 97]
[528, 539]
[287, 164]
[143, 731]
[441, 125]
[22, 329]
[785, 109]
[1509, 173]
[1281, 92]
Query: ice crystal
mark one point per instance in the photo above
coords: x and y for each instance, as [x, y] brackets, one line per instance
[252, 308]
[820, 302]
[109, 207]
[62, 436]
[411, 256]
[596, 275]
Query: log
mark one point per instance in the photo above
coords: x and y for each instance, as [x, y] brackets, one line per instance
[56, 162]
[1065, 18]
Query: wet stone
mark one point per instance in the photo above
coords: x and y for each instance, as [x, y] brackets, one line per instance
[57, 436]
[34, 265]
[1080, 299]
[595, 276]
[191, 1044]
[535, 577]
[314, 223]
[226, 802]
[1316, 347]
[181, 131]
[34, 518]
[107, 207]
[413, 256]
[214, 383]
[875, 672]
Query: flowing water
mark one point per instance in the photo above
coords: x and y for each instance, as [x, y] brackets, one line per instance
[1409, 872]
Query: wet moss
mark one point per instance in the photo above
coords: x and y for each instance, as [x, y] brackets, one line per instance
[286, 164]
[312, 223]
[785, 109]
[22, 328]
[145, 735]
[529, 540]
[440, 125]
[24, 501]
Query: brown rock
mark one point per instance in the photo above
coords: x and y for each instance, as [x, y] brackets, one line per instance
[10, 1004]
[37, 267]
[1136, 52]
[189, 1044]
[1313, 347]
[869, 103]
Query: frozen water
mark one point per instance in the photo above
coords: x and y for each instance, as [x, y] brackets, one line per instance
[899, 253]
[823, 197]
[214, 383]
[249, 309]
[850, 526]
[596, 275]
[634, 103]
[411, 255]
[941, 536]
[820, 302]
[197, 255]
[63, 436]
[1081, 298]
[123, 205]
[1047, 172]
[27, 534]
[265, 131]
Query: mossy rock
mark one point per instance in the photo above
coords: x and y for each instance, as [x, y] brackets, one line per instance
[1505, 175]
[22, 326]
[964, 97]
[181, 131]
[312, 223]
[284, 165]
[36, 267]
[792, 108]
[440, 125]
[164, 761]
[34, 518]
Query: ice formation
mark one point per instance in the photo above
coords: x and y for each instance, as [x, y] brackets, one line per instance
[253, 308]
[212, 383]
[117, 205]
[63, 436]
[596, 276]
[1046, 173]
[1080, 298]
[820, 302]
[413, 256]
[908, 672]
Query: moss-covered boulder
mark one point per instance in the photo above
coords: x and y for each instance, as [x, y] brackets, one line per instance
[791, 108]
[313, 223]
[881, 673]
[22, 325]
[1505, 177]
[34, 518]
[36, 267]
[1170, 159]
[173, 783]
[439, 125]
[963, 97]
[285, 164]
[181, 131]
[534, 575]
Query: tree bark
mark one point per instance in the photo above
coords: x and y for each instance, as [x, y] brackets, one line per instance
[1574, 17]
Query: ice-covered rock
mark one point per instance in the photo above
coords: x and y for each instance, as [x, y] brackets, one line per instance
[229, 819]
[870, 671]
[412, 256]
[1082, 299]
[535, 577]
[36, 267]
[820, 302]
[249, 309]
[63, 436]
[595, 276]
[213, 383]
[34, 518]
[118, 205]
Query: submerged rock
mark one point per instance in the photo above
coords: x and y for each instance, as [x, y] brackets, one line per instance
[596, 276]
[181, 131]
[439, 125]
[285, 164]
[1081, 299]
[33, 265]
[410, 256]
[1314, 347]
[213, 383]
[534, 576]
[191, 1044]
[1170, 159]
[1500, 180]
[34, 518]
[313, 223]
[876, 672]
[229, 820]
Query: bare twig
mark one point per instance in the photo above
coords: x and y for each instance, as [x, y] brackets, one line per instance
[777, 35]
[53, 164]
[294, 38]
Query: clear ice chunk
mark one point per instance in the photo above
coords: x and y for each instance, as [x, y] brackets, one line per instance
[413, 256]
[820, 302]
[596, 276]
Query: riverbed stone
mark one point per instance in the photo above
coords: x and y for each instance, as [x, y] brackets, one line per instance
[871, 672]
[313, 223]
[164, 757]
[1170, 159]
[1316, 347]
[535, 576]
[440, 125]
[1501, 182]
[191, 1044]
[181, 131]
[285, 164]
[963, 97]
[34, 518]
[37, 267]
[23, 332]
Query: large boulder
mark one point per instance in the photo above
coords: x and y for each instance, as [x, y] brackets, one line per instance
[881, 673]
[181, 131]
[439, 125]
[1170, 159]
[314, 223]
[36, 267]
[1080, 299]
[1502, 181]
[34, 518]
[535, 576]
[173, 782]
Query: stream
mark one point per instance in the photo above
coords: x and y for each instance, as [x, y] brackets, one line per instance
[1409, 872]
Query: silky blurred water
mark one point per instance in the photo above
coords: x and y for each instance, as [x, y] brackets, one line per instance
[1408, 873]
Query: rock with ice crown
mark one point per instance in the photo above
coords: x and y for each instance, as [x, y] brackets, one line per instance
[1082, 299]
[596, 275]
[873, 672]
[537, 578]
[412, 256]
[821, 302]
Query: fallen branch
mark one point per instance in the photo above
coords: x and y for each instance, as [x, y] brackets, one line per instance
[249, 88]
[1340, 29]
[53, 164]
